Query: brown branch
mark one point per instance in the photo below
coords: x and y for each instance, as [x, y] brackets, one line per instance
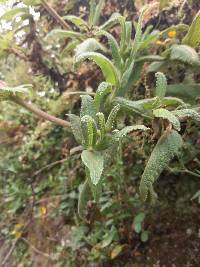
[54, 14]
[17, 53]
[40, 113]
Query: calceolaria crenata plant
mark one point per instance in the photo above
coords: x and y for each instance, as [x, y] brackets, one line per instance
[96, 130]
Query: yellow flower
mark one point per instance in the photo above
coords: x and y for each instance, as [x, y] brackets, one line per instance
[43, 211]
[18, 226]
[18, 234]
[171, 34]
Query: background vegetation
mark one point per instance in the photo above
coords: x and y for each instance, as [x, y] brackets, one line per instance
[41, 176]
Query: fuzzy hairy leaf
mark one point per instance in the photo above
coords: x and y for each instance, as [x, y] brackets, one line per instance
[112, 117]
[94, 161]
[161, 84]
[87, 106]
[89, 131]
[89, 45]
[61, 34]
[107, 67]
[165, 114]
[77, 21]
[128, 105]
[128, 129]
[103, 90]
[76, 127]
[114, 47]
[113, 20]
[101, 124]
[192, 38]
[189, 113]
[185, 53]
[167, 147]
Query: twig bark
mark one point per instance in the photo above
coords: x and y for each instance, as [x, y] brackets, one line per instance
[40, 113]
[55, 15]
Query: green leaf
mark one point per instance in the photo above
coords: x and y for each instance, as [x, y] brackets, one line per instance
[144, 236]
[188, 113]
[94, 161]
[112, 117]
[89, 45]
[156, 66]
[138, 34]
[88, 106]
[172, 101]
[113, 20]
[161, 84]
[103, 90]
[109, 237]
[128, 129]
[192, 38]
[84, 196]
[11, 14]
[98, 10]
[89, 131]
[101, 124]
[165, 114]
[77, 21]
[138, 220]
[115, 50]
[70, 47]
[125, 80]
[128, 105]
[76, 127]
[167, 147]
[128, 29]
[187, 92]
[107, 67]
[61, 34]
[185, 54]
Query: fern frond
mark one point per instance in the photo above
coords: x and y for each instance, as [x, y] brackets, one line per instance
[167, 147]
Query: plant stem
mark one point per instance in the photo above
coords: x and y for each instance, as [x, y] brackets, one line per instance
[54, 14]
[40, 113]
